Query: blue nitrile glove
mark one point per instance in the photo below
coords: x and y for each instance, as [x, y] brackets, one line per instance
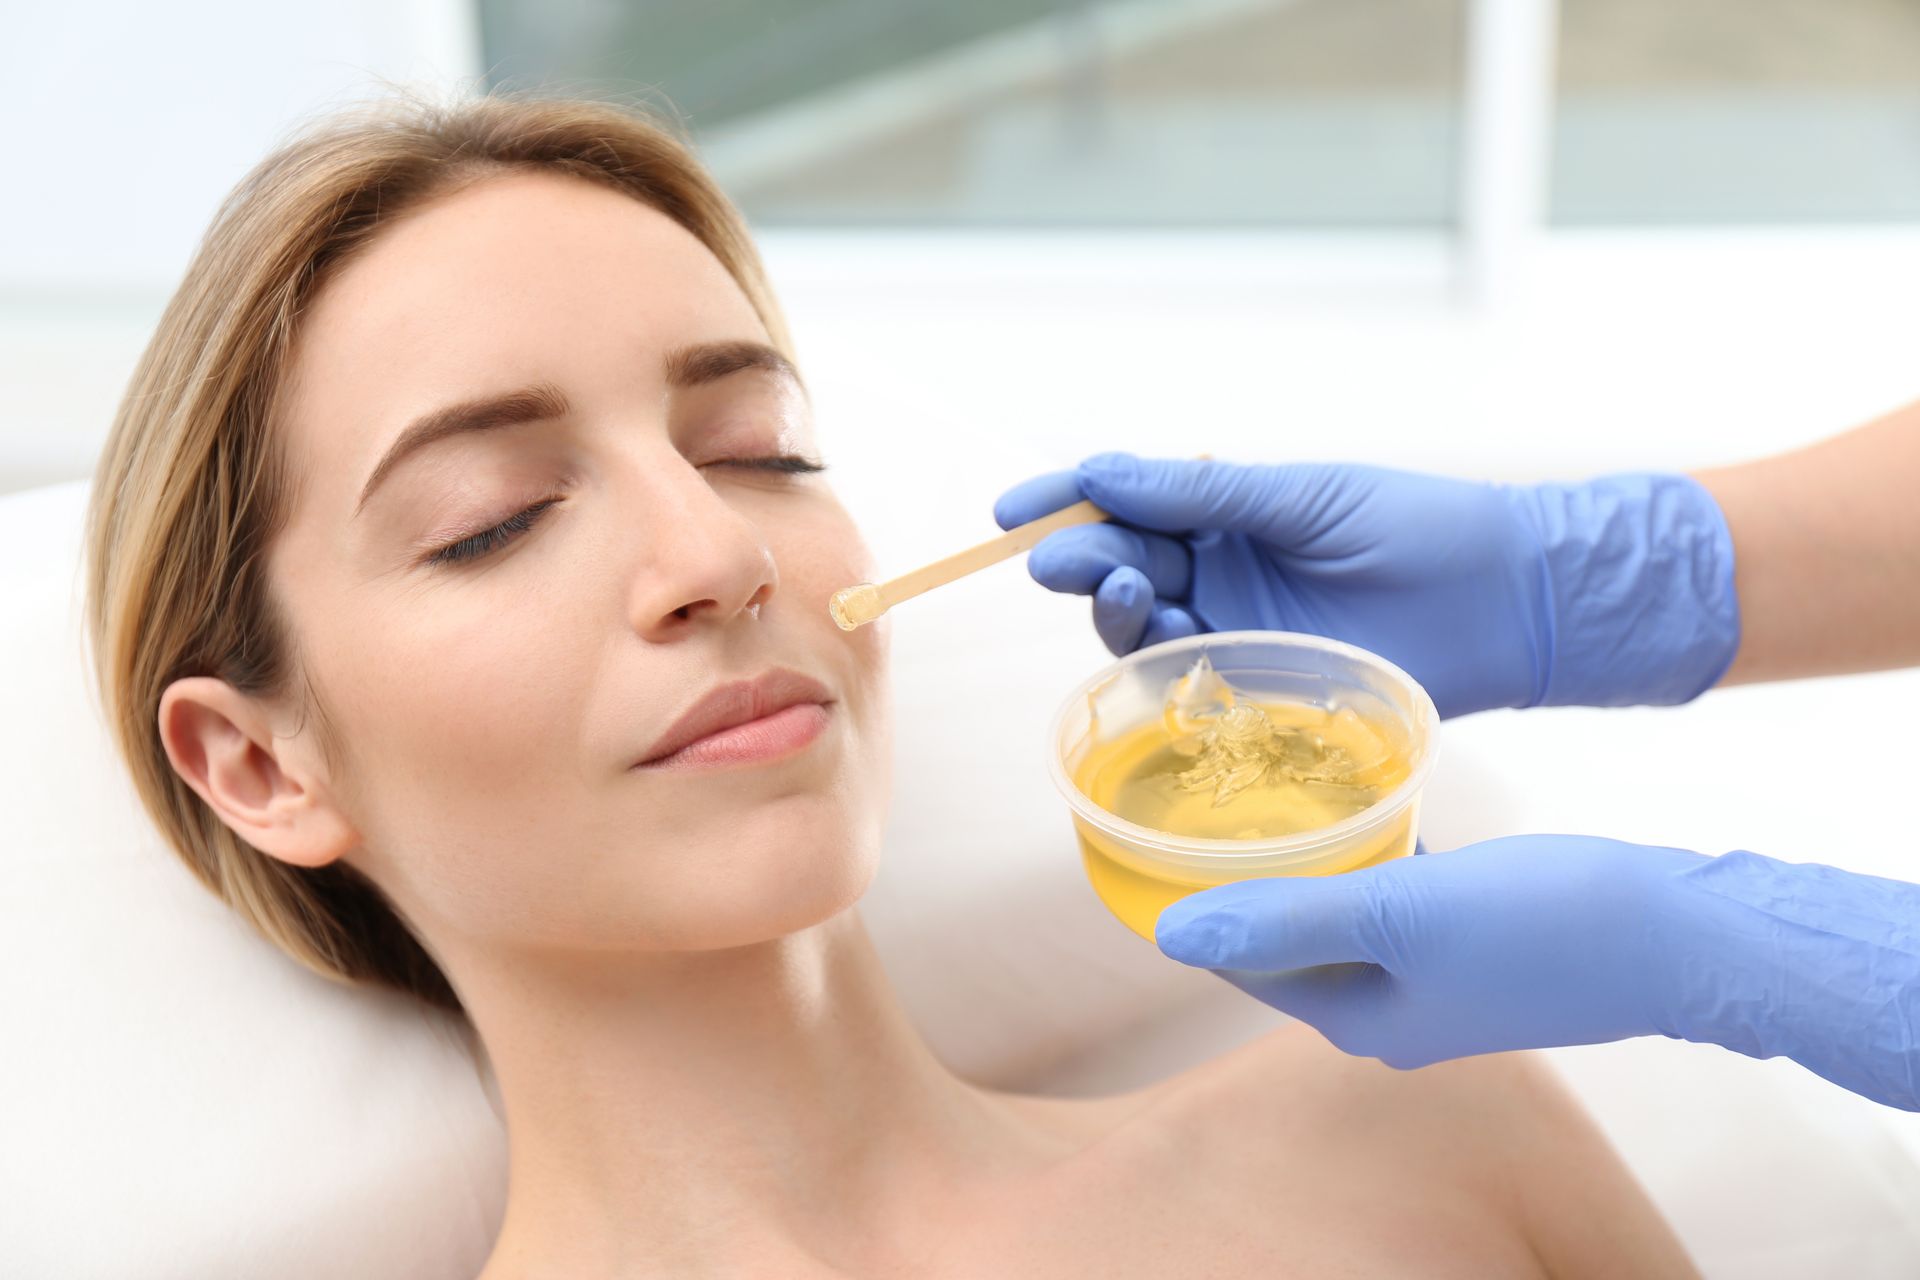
[1534, 941]
[1607, 593]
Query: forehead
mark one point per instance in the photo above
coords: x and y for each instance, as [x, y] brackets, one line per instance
[517, 278]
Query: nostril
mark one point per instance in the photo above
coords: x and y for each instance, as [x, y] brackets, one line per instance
[687, 610]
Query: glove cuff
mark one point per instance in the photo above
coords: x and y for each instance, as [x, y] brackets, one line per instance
[1802, 961]
[1641, 607]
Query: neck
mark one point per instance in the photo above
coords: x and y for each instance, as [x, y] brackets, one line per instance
[699, 1110]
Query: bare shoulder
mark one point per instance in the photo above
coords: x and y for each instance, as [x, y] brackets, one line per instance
[1496, 1141]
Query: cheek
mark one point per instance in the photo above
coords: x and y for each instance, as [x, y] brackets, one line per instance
[824, 552]
[461, 711]
[475, 686]
[825, 556]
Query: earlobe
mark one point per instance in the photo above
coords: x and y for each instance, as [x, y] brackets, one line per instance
[219, 742]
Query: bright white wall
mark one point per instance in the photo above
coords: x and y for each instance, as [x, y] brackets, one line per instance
[127, 121]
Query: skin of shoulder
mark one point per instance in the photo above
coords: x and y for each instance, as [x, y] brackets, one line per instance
[1446, 1162]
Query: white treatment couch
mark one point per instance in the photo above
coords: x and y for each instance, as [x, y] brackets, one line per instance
[178, 1100]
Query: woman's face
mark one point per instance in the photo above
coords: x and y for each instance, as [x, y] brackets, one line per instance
[492, 692]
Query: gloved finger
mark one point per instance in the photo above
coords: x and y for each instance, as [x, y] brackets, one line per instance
[1280, 922]
[1031, 499]
[1168, 622]
[1340, 1001]
[1080, 559]
[1121, 608]
[1177, 495]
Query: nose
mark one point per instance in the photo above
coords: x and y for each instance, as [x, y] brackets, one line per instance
[702, 561]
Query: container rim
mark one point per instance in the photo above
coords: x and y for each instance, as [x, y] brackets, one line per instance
[1189, 848]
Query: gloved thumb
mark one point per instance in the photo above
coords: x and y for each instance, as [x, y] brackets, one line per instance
[1178, 495]
[1282, 922]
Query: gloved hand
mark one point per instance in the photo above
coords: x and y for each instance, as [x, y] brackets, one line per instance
[1608, 593]
[1533, 941]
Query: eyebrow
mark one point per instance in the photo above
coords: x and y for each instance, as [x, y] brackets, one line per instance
[687, 366]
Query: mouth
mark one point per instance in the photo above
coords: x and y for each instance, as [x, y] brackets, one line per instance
[777, 714]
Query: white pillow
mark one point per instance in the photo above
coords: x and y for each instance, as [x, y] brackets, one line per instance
[181, 1099]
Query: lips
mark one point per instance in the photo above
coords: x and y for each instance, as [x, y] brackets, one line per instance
[740, 702]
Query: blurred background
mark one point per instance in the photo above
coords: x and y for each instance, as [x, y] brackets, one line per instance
[1498, 237]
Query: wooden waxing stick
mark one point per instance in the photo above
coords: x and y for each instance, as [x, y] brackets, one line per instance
[863, 602]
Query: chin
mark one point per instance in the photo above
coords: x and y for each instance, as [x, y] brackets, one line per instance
[805, 886]
[763, 885]
[765, 917]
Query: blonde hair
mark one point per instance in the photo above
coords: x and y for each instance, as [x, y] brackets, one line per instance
[191, 487]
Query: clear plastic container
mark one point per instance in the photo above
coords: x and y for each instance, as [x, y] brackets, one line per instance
[1138, 871]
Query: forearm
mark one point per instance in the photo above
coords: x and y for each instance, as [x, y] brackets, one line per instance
[1827, 553]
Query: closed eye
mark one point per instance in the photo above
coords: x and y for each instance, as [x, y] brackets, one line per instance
[479, 544]
[487, 541]
[791, 463]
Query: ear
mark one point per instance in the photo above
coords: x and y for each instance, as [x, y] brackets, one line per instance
[220, 741]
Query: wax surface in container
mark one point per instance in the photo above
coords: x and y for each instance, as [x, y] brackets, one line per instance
[1218, 764]
[1222, 767]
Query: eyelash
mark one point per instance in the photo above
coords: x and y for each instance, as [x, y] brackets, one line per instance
[486, 541]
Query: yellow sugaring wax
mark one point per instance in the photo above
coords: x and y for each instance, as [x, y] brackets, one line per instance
[1220, 767]
[855, 606]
